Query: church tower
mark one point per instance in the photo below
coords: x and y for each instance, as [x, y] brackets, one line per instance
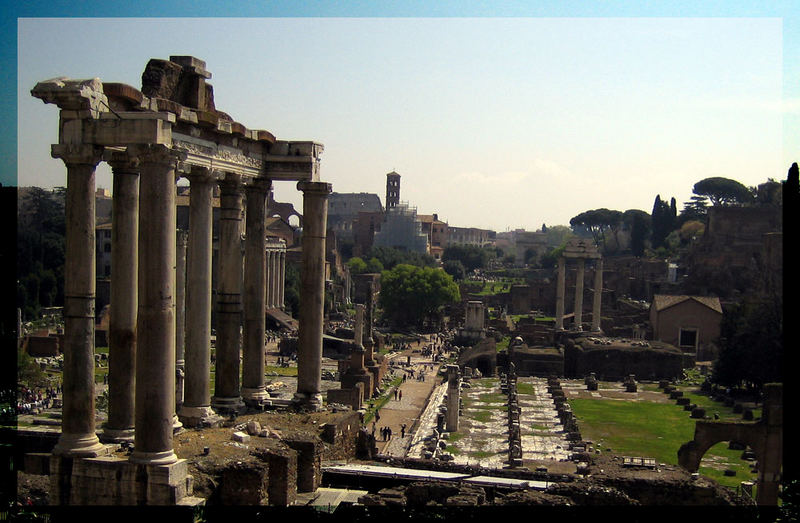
[392, 190]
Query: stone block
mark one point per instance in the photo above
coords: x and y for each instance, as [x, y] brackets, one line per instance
[37, 463]
[240, 437]
[171, 474]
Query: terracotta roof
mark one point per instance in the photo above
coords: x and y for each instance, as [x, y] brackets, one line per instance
[662, 301]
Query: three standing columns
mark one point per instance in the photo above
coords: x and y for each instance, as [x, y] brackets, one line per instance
[155, 351]
[578, 310]
[255, 292]
[196, 408]
[78, 437]
[312, 287]
[124, 299]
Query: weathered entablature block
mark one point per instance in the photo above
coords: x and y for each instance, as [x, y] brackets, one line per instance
[179, 114]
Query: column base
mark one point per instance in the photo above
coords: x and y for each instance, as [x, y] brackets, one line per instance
[80, 446]
[199, 417]
[177, 426]
[308, 402]
[164, 457]
[110, 435]
[228, 405]
[255, 397]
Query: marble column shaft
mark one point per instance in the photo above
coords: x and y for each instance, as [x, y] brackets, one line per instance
[597, 296]
[155, 350]
[229, 296]
[312, 287]
[281, 277]
[560, 283]
[197, 355]
[255, 291]
[124, 298]
[180, 315]
[579, 275]
[78, 438]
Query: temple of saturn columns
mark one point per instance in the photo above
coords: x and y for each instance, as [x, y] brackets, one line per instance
[579, 250]
[151, 138]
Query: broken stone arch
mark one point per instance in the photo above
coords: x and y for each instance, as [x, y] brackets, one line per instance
[764, 437]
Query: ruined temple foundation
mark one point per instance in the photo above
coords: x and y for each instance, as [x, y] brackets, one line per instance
[151, 138]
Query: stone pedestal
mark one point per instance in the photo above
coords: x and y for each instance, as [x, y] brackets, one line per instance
[110, 480]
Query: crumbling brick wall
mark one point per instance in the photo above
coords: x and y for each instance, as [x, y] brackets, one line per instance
[309, 460]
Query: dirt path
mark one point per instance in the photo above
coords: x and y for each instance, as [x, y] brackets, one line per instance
[408, 406]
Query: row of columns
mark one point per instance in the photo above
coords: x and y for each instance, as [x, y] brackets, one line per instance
[596, 296]
[276, 273]
[144, 286]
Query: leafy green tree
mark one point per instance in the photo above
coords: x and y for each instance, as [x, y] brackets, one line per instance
[455, 269]
[723, 191]
[695, 209]
[598, 222]
[663, 220]
[390, 256]
[550, 259]
[471, 256]
[410, 294]
[374, 265]
[557, 235]
[356, 265]
[751, 345]
[638, 222]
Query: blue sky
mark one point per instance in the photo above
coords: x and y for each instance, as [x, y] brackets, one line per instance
[500, 119]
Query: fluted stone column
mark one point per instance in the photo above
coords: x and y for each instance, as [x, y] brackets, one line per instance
[560, 294]
[196, 408]
[309, 346]
[579, 293]
[597, 297]
[124, 298]
[229, 297]
[254, 390]
[78, 438]
[155, 350]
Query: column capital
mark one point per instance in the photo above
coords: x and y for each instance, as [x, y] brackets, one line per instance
[157, 153]
[121, 160]
[231, 181]
[262, 185]
[77, 154]
[318, 188]
[200, 175]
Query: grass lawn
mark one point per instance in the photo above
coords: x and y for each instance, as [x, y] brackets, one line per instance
[655, 430]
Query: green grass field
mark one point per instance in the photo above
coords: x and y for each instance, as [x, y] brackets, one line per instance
[655, 430]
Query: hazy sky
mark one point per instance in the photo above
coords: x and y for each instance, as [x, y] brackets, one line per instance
[492, 122]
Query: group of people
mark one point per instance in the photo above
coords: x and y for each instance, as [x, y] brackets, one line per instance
[386, 432]
[30, 401]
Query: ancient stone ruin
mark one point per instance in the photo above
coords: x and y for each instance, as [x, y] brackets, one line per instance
[150, 138]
